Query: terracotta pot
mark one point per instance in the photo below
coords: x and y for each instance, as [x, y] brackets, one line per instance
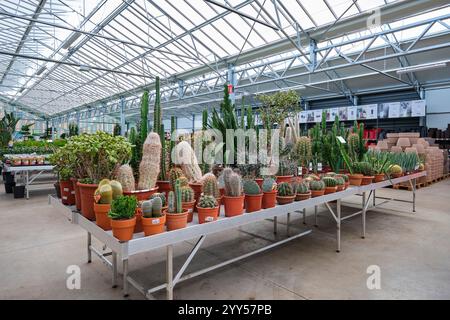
[87, 199]
[153, 226]
[176, 221]
[164, 187]
[141, 195]
[207, 214]
[234, 206]
[302, 196]
[269, 199]
[197, 187]
[222, 191]
[123, 229]
[396, 175]
[101, 216]
[259, 181]
[355, 179]
[329, 190]
[253, 202]
[67, 193]
[341, 188]
[317, 193]
[189, 206]
[366, 180]
[138, 226]
[77, 193]
[219, 201]
[379, 178]
[281, 179]
[285, 200]
[347, 184]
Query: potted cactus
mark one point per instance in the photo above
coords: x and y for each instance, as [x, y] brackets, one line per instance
[317, 188]
[286, 193]
[253, 196]
[153, 219]
[330, 184]
[303, 192]
[269, 189]
[233, 199]
[207, 208]
[210, 187]
[366, 170]
[395, 171]
[106, 192]
[346, 180]
[122, 215]
[163, 198]
[188, 201]
[176, 216]
[340, 183]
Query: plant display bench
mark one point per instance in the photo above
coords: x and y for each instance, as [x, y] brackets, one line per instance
[123, 251]
[30, 174]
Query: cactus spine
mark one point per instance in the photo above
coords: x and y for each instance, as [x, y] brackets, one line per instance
[161, 196]
[285, 190]
[147, 207]
[171, 202]
[339, 181]
[151, 158]
[174, 174]
[210, 185]
[207, 201]
[156, 207]
[187, 194]
[157, 109]
[251, 187]
[234, 188]
[303, 188]
[106, 194]
[116, 189]
[317, 185]
[303, 151]
[329, 181]
[173, 127]
[163, 173]
[126, 178]
[144, 116]
[178, 202]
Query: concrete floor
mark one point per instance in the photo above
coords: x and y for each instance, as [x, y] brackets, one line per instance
[412, 251]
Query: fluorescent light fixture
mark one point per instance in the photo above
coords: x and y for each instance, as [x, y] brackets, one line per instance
[71, 40]
[83, 68]
[422, 67]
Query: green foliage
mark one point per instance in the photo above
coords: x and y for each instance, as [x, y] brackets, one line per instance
[207, 201]
[363, 168]
[379, 161]
[251, 187]
[73, 129]
[65, 174]
[25, 130]
[407, 161]
[117, 130]
[123, 208]
[269, 184]
[136, 156]
[285, 189]
[7, 127]
[178, 199]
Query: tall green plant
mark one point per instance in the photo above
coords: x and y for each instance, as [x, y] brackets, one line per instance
[157, 110]
[7, 127]
[144, 117]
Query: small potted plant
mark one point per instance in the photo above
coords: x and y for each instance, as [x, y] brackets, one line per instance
[188, 201]
[346, 180]
[340, 183]
[317, 188]
[103, 197]
[355, 177]
[330, 184]
[286, 193]
[153, 218]
[286, 171]
[395, 171]
[66, 187]
[210, 187]
[176, 216]
[233, 199]
[270, 191]
[253, 196]
[367, 171]
[207, 208]
[122, 215]
[303, 192]
[163, 198]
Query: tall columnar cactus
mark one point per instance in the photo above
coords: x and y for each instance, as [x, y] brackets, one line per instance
[227, 173]
[205, 166]
[353, 146]
[303, 151]
[156, 207]
[126, 178]
[188, 161]
[144, 116]
[157, 110]
[147, 208]
[151, 158]
[285, 189]
[269, 185]
[174, 174]
[135, 139]
[210, 185]
[178, 200]
[329, 181]
[251, 187]
[171, 202]
[173, 128]
[234, 188]
[187, 194]
[163, 173]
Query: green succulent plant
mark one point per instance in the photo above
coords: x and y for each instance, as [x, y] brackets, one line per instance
[122, 208]
[269, 185]
[317, 185]
[303, 188]
[329, 182]
[207, 201]
[251, 187]
[285, 189]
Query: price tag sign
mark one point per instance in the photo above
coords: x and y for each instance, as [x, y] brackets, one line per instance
[155, 221]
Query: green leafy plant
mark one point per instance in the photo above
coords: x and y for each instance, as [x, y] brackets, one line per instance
[7, 127]
[123, 208]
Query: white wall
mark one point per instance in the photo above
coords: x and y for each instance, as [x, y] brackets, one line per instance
[438, 101]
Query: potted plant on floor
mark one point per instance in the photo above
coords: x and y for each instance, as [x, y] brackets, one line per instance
[286, 193]
[153, 218]
[210, 187]
[106, 192]
[330, 184]
[317, 188]
[340, 183]
[303, 192]
[176, 216]
[233, 199]
[270, 191]
[207, 208]
[122, 215]
[253, 196]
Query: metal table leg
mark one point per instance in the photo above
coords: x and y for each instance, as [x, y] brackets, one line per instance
[338, 225]
[114, 270]
[89, 243]
[26, 184]
[414, 183]
[363, 215]
[374, 198]
[169, 272]
[316, 224]
[125, 278]
[304, 215]
[275, 225]
[288, 222]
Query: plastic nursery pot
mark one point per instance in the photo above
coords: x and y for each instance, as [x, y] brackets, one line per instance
[355, 179]
[9, 187]
[207, 214]
[259, 181]
[138, 227]
[396, 175]
[303, 196]
[57, 189]
[164, 187]
[234, 206]
[77, 193]
[141, 195]
[9, 178]
[222, 192]
[253, 202]
[176, 221]
[269, 199]
[219, 201]
[329, 190]
[281, 179]
[366, 180]
[67, 193]
[189, 206]
[153, 226]
[340, 188]
[101, 216]
[317, 193]
[87, 199]
[347, 184]
[379, 178]
[123, 229]
[285, 200]
[19, 192]
[197, 187]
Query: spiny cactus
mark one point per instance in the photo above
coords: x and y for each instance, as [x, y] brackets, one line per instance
[251, 187]
[156, 207]
[269, 185]
[103, 182]
[329, 181]
[187, 194]
[147, 208]
[303, 151]
[116, 189]
[161, 196]
[331, 174]
[126, 178]
[345, 177]
[174, 174]
[186, 158]
[210, 185]
[178, 200]
[207, 201]
[226, 173]
[234, 187]
[285, 189]
[171, 202]
[395, 169]
[302, 188]
[353, 146]
[105, 194]
[150, 164]
[317, 185]
[363, 168]
[339, 181]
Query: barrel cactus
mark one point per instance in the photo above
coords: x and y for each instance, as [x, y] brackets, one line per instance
[303, 188]
[285, 189]
[303, 151]
[150, 163]
[395, 169]
[104, 194]
[207, 201]
[126, 178]
[251, 187]
[317, 185]
[210, 185]
[103, 182]
[339, 181]
[330, 182]
[345, 177]
[161, 196]
[269, 185]
[174, 174]
[234, 186]
[187, 194]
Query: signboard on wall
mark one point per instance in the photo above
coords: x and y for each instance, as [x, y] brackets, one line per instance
[352, 113]
[394, 110]
[418, 108]
[371, 111]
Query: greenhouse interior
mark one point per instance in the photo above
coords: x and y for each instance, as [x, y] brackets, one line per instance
[225, 150]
